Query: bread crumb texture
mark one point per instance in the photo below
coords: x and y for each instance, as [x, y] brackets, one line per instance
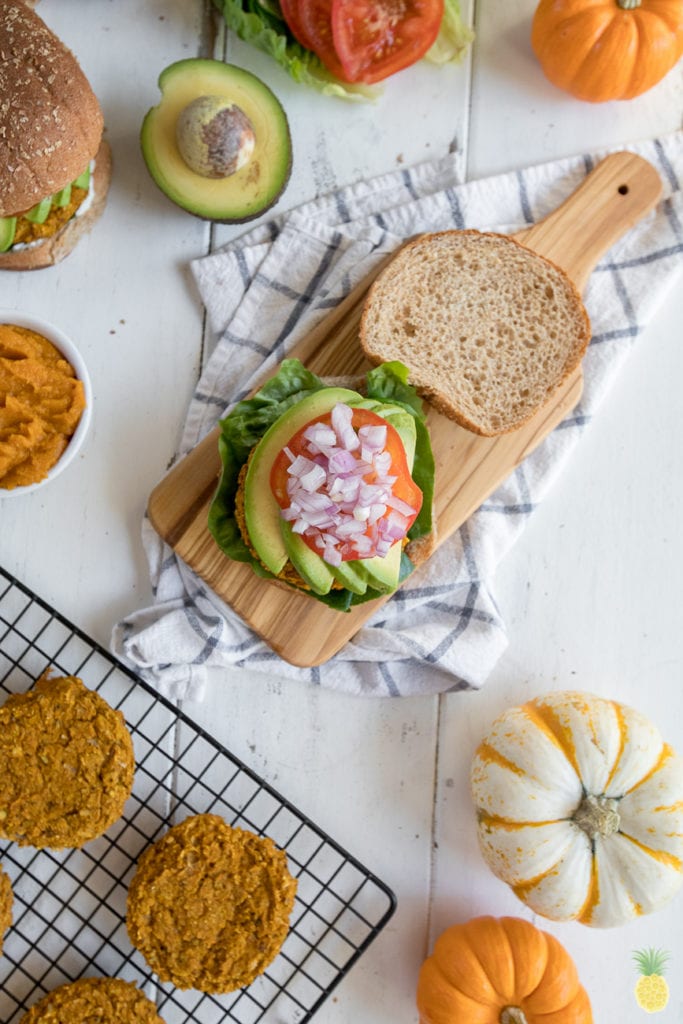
[94, 1001]
[5, 904]
[66, 763]
[488, 328]
[209, 905]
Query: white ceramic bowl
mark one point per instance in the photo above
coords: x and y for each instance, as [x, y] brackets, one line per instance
[73, 356]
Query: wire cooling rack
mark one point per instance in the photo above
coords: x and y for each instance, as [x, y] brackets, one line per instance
[70, 905]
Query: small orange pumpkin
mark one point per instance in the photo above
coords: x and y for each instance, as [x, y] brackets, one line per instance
[607, 49]
[500, 971]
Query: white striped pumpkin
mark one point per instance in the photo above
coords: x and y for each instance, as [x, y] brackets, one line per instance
[580, 808]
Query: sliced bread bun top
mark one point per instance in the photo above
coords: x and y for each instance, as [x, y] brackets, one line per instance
[50, 120]
[488, 328]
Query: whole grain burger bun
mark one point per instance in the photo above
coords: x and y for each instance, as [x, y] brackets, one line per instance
[50, 129]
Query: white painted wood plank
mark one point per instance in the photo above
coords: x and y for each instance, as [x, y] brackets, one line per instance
[590, 593]
[125, 297]
[363, 770]
[420, 114]
[519, 118]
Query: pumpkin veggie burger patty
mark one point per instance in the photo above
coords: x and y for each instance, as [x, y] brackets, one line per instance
[94, 1001]
[66, 764]
[6, 900]
[209, 905]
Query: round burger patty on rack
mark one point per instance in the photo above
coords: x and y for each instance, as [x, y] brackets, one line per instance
[6, 900]
[94, 1001]
[209, 905]
[66, 764]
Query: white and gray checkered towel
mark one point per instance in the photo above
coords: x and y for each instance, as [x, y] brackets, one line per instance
[442, 630]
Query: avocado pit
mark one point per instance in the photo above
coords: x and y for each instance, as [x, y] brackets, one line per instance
[215, 137]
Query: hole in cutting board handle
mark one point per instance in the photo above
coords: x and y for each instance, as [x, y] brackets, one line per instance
[623, 190]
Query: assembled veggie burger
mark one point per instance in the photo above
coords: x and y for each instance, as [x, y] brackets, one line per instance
[324, 488]
[54, 167]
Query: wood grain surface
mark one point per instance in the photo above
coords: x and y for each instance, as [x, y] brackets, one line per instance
[621, 190]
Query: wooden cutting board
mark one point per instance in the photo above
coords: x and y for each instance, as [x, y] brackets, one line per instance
[621, 190]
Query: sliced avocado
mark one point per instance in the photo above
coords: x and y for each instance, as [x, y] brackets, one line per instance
[39, 213]
[352, 575]
[83, 180]
[261, 510]
[311, 567]
[381, 408]
[251, 189]
[383, 573]
[8, 229]
[63, 197]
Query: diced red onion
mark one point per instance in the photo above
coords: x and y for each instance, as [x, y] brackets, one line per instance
[347, 437]
[300, 465]
[332, 500]
[401, 506]
[332, 555]
[320, 436]
[376, 512]
[373, 437]
[341, 461]
[313, 479]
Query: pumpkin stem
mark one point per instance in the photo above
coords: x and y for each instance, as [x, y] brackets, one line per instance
[597, 816]
[628, 5]
[512, 1015]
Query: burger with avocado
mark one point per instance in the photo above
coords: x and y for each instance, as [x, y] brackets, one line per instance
[54, 167]
[326, 488]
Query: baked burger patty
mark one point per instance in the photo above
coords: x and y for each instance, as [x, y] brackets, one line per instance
[209, 905]
[6, 900]
[94, 1001]
[66, 763]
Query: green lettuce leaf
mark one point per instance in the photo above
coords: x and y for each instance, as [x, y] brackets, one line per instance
[453, 39]
[241, 430]
[248, 421]
[256, 24]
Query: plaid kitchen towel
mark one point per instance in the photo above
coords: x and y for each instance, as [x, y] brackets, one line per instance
[442, 631]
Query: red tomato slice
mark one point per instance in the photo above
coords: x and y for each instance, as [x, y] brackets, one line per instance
[375, 39]
[290, 12]
[315, 20]
[404, 488]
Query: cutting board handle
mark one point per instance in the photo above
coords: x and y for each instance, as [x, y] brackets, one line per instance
[618, 193]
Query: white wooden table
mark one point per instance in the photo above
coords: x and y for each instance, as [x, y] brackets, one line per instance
[591, 594]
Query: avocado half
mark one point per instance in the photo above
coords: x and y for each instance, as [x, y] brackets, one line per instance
[247, 192]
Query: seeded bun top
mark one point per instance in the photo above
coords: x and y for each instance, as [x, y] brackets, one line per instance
[50, 120]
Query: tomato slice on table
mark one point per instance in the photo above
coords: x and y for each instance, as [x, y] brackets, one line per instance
[315, 21]
[375, 39]
[290, 12]
[405, 496]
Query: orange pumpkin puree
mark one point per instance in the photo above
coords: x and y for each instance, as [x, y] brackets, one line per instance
[41, 401]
